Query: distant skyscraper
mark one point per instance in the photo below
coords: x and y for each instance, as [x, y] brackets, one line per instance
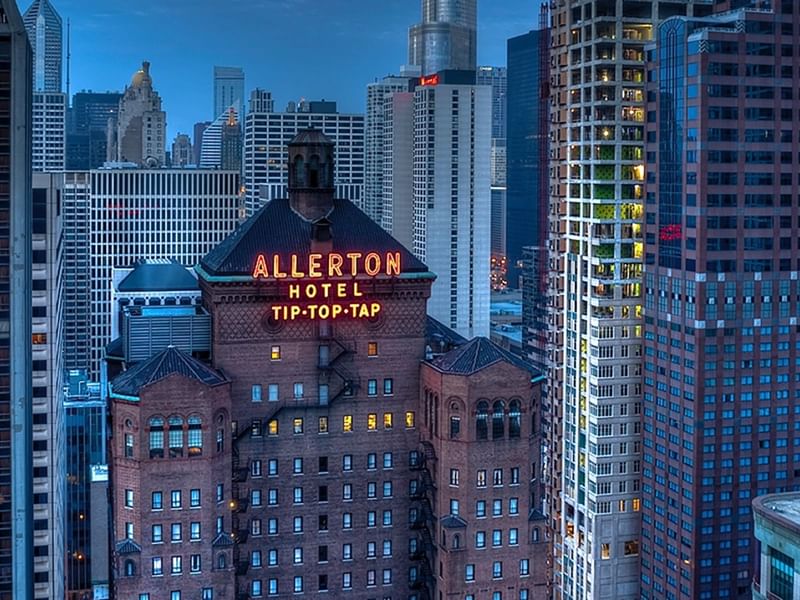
[452, 197]
[211, 141]
[87, 129]
[49, 441]
[16, 423]
[378, 94]
[190, 212]
[49, 128]
[267, 135]
[497, 77]
[231, 143]
[228, 90]
[197, 140]
[140, 133]
[182, 154]
[261, 101]
[527, 179]
[45, 33]
[446, 38]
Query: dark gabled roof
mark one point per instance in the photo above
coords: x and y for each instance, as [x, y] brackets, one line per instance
[453, 522]
[128, 546]
[168, 362]
[311, 137]
[277, 229]
[114, 349]
[158, 277]
[222, 540]
[475, 355]
[436, 330]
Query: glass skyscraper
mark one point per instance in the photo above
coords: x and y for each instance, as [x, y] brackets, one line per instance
[45, 33]
[446, 38]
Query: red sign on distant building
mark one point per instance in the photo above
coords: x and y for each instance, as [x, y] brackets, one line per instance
[429, 80]
[670, 233]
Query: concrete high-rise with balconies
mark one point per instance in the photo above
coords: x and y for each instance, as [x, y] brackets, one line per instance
[594, 389]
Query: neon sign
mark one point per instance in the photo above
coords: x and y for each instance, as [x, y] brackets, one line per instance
[314, 293]
[429, 80]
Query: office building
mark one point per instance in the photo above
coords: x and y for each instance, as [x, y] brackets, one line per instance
[182, 154]
[87, 129]
[87, 540]
[75, 191]
[197, 145]
[378, 94]
[228, 90]
[777, 528]
[446, 38]
[397, 200]
[266, 135]
[16, 420]
[595, 387]
[49, 481]
[497, 78]
[49, 131]
[720, 294]
[224, 130]
[452, 197]
[139, 134]
[45, 34]
[121, 216]
[310, 455]
[527, 173]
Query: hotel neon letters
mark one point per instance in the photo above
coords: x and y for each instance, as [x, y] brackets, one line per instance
[325, 299]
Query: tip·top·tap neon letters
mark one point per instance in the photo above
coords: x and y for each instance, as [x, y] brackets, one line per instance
[319, 266]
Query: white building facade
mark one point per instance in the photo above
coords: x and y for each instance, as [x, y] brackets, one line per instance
[49, 131]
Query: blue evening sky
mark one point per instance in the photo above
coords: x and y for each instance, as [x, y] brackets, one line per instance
[295, 48]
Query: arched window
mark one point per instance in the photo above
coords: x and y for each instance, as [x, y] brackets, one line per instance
[498, 420]
[482, 421]
[175, 436]
[222, 561]
[456, 542]
[535, 536]
[436, 415]
[195, 436]
[130, 568]
[299, 171]
[313, 172]
[156, 426]
[514, 419]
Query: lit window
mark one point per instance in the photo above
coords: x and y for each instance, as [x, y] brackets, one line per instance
[482, 478]
[298, 584]
[255, 393]
[272, 427]
[454, 477]
[275, 353]
[177, 565]
[372, 349]
[388, 420]
[631, 548]
[323, 425]
[387, 489]
[297, 425]
[128, 498]
[372, 422]
[410, 420]
[605, 551]
[387, 576]
[347, 423]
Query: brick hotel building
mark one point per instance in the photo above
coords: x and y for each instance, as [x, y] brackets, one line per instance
[373, 453]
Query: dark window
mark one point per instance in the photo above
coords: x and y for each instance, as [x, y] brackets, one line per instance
[482, 421]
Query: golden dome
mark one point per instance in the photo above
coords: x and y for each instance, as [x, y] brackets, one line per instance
[142, 76]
